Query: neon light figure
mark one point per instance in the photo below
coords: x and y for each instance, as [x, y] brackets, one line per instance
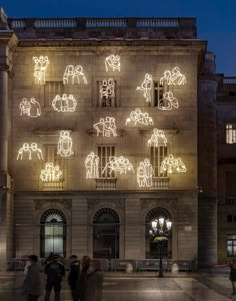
[170, 164]
[64, 103]
[107, 92]
[174, 77]
[146, 87]
[168, 102]
[91, 165]
[30, 108]
[51, 173]
[106, 127]
[145, 173]
[65, 144]
[74, 74]
[154, 140]
[40, 68]
[137, 116]
[118, 164]
[112, 61]
[29, 150]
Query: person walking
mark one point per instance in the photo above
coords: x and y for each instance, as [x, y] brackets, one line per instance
[83, 277]
[74, 277]
[232, 275]
[32, 282]
[54, 270]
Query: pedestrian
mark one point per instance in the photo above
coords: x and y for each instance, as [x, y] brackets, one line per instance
[83, 277]
[74, 277]
[232, 276]
[54, 270]
[32, 282]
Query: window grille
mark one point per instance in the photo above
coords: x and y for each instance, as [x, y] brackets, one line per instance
[105, 152]
[51, 89]
[230, 133]
[157, 155]
[107, 93]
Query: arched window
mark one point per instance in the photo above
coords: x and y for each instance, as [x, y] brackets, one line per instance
[152, 247]
[106, 226]
[53, 233]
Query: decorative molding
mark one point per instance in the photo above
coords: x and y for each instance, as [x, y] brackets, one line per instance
[65, 203]
[159, 202]
[116, 203]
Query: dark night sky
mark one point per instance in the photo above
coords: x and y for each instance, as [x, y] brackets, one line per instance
[216, 19]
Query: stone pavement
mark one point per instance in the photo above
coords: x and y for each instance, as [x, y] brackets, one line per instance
[140, 286]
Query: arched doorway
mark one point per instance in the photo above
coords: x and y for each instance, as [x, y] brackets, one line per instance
[106, 227]
[53, 233]
[152, 247]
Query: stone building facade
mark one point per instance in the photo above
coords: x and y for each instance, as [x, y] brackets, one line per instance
[107, 101]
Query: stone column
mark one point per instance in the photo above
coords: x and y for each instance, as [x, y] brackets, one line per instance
[8, 42]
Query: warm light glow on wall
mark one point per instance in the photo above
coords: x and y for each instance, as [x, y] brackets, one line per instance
[65, 144]
[27, 151]
[106, 127]
[118, 164]
[174, 77]
[171, 165]
[74, 74]
[156, 137]
[138, 117]
[107, 91]
[64, 103]
[168, 102]
[30, 108]
[91, 165]
[51, 173]
[40, 68]
[113, 62]
[145, 173]
[146, 87]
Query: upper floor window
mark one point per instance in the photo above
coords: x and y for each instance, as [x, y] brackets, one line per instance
[157, 155]
[51, 89]
[230, 133]
[105, 152]
[107, 93]
[231, 245]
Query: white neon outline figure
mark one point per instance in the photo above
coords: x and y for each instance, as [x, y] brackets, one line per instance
[30, 150]
[51, 173]
[145, 173]
[40, 67]
[107, 92]
[170, 164]
[74, 73]
[118, 164]
[64, 145]
[168, 102]
[137, 116]
[146, 87]
[64, 103]
[106, 127]
[91, 165]
[30, 108]
[157, 134]
[112, 61]
[174, 77]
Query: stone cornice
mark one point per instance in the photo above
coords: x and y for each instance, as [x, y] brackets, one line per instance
[8, 44]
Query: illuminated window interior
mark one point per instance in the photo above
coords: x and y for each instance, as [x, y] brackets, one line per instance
[230, 133]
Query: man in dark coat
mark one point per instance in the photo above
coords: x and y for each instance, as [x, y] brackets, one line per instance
[54, 270]
[232, 276]
[74, 277]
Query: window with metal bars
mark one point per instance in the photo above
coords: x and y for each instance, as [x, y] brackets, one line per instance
[230, 133]
[157, 155]
[51, 89]
[231, 245]
[107, 93]
[105, 152]
[50, 153]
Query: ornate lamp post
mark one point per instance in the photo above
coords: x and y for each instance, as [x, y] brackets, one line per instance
[160, 229]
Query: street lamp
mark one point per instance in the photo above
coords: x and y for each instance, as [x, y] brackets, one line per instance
[159, 231]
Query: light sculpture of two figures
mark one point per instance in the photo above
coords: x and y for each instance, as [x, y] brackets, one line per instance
[168, 102]
[146, 87]
[137, 116]
[40, 66]
[64, 103]
[30, 108]
[51, 173]
[145, 173]
[173, 77]
[74, 74]
[91, 165]
[156, 137]
[112, 62]
[29, 151]
[118, 164]
[172, 164]
[106, 127]
[65, 144]
[107, 92]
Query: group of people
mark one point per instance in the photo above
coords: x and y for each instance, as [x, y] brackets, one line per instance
[85, 279]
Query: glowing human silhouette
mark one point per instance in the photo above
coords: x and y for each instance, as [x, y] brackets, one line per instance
[174, 77]
[106, 127]
[65, 144]
[91, 165]
[118, 164]
[113, 62]
[30, 108]
[64, 103]
[137, 116]
[107, 92]
[40, 67]
[168, 102]
[51, 173]
[74, 74]
[171, 165]
[156, 137]
[145, 173]
[146, 87]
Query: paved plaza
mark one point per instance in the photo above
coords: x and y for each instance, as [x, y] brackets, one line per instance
[197, 287]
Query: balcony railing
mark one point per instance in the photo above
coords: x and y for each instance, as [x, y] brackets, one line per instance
[106, 184]
[229, 80]
[227, 201]
[53, 186]
[160, 183]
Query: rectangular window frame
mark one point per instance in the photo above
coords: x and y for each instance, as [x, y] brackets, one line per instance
[104, 152]
[230, 135]
[157, 155]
